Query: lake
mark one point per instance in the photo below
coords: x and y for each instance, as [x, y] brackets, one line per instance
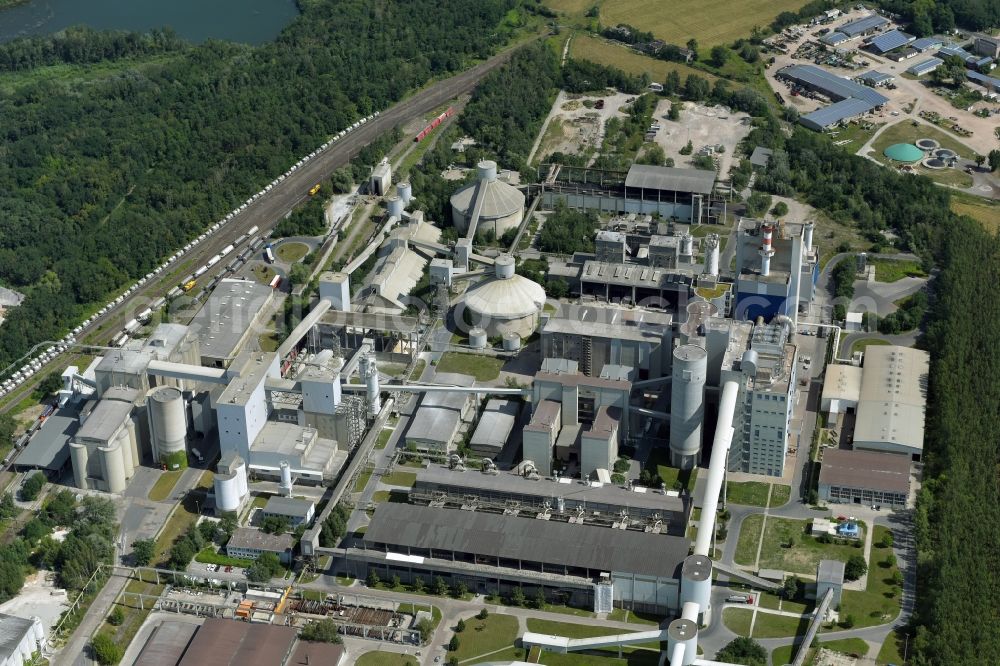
[248, 21]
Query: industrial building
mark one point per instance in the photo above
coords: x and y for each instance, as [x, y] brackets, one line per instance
[494, 553]
[850, 99]
[504, 304]
[494, 428]
[925, 66]
[889, 40]
[864, 477]
[892, 401]
[248, 543]
[381, 179]
[228, 320]
[294, 511]
[230, 484]
[488, 204]
[20, 639]
[841, 390]
[866, 25]
[595, 336]
[105, 449]
[440, 415]
[830, 575]
[776, 268]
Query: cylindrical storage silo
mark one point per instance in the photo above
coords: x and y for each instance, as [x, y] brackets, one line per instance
[394, 206]
[241, 474]
[79, 456]
[696, 581]
[748, 362]
[168, 426]
[511, 341]
[286, 479]
[133, 442]
[504, 267]
[404, 191]
[477, 338]
[126, 446]
[487, 170]
[687, 245]
[685, 633]
[807, 235]
[113, 467]
[227, 492]
[374, 394]
[712, 254]
[687, 405]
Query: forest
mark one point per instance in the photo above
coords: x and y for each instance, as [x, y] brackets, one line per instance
[103, 178]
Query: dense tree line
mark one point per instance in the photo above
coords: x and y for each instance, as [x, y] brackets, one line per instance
[101, 181]
[909, 315]
[566, 231]
[81, 45]
[938, 16]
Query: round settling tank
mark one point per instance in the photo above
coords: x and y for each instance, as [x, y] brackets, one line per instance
[906, 153]
[687, 405]
[927, 144]
[477, 338]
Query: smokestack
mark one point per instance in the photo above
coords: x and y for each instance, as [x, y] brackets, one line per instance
[712, 255]
[766, 251]
[807, 236]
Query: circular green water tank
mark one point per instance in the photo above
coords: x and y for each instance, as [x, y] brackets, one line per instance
[904, 152]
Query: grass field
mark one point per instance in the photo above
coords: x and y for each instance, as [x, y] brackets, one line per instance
[263, 273]
[859, 345]
[210, 556]
[801, 558]
[383, 438]
[892, 649]
[406, 479]
[386, 659]
[483, 368]
[905, 132]
[674, 479]
[984, 211]
[890, 270]
[879, 602]
[503, 656]
[596, 49]
[480, 637]
[633, 656]
[362, 480]
[292, 252]
[783, 654]
[754, 493]
[164, 485]
[710, 22]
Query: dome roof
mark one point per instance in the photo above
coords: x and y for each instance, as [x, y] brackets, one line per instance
[505, 297]
[499, 199]
[904, 152]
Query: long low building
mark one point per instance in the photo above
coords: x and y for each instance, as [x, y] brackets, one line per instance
[495, 553]
[864, 477]
[892, 400]
[850, 99]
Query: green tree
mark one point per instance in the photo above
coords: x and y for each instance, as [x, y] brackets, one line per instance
[757, 203]
[539, 600]
[48, 386]
[460, 626]
[116, 616]
[453, 644]
[855, 568]
[743, 650]
[790, 587]
[107, 651]
[321, 631]
[483, 614]
[460, 590]
[720, 54]
[274, 525]
[32, 486]
[373, 578]
[299, 273]
[780, 209]
[440, 587]
[143, 551]
[394, 582]
[692, 45]
[517, 597]
[266, 567]
[418, 584]
[426, 629]
[341, 181]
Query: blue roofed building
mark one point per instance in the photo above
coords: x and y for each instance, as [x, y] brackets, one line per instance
[888, 41]
[926, 44]
[866, 25]
[851, 99]
[875, 79]
[925, 66]
[833, 38]
[991, 83]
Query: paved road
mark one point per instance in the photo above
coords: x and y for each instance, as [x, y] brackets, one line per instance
[273, 206]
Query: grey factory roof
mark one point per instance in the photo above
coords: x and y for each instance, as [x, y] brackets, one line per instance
[670, 179]
[887, 472]
[370, 321]
[499, 199]
[166, 645]
[49, 447]
[988, 81]
[288, 506]
[249, 538]
[874, 77]
[222, 642]
[106, 418]
[546, 416]
[835, 87]
[433, 424]
[630, 275]
[164, 340]
[925, 66]
[527, 539]
[863, 25]
[630, 325]
[760, 156]
[447, 399]
[253, 369]
[495, 425]
[830, 571]
[957, 51]
[12, 631]
[224, 320]
[925, 43]
[610, 236]
[890, 40]
[125, 361]
[576, 490]
[834, 38]
[893, 397]
[836, 112]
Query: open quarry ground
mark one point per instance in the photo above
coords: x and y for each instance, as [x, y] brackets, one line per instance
[576, 126]
[39, 597]
[702, 126]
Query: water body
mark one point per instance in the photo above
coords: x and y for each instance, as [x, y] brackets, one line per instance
[248, 21]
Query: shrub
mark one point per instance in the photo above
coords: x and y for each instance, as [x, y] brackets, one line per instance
[106, 650]
[116, 617]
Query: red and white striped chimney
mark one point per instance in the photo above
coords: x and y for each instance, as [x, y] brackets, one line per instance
[766, 251]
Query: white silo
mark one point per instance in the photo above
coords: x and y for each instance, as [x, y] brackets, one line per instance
[505, 302]
[113, 467]
[227, 493]
[80, 458]
[286, 479]
[807, 235]
[696, 581]
[128, 464]
[394, 207]
[682, 640]
[511, 341]
[167, 425]
[404, 191]
[687, 405]
[712, 254]
[37, 628]
[374, 395]
[687, 245]
[477, 338]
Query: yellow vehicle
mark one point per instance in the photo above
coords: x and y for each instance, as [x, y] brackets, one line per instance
[314, 189]
[188, 286]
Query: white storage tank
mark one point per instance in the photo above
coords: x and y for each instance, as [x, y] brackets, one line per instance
[113, 467]
[227, 493]
[477, 338]
[687, 405]
[167, 425]
[712, 254]
[394, 207]
[286, 479]
[511, 341]
[404, 191]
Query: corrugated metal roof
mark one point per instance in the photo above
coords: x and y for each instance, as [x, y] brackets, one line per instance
[925, 43]
[49, 447]
[988, 81]
[105, 420]
[670, 179]
[166, 645]
[495, 425]
[863, 25]
[596, 548]
[247, 537]
[886, 472]
[890, 40]
[893, 397]
[874, 77]
[433, 424]
[12, 632]
[835, 87]
[288, 506]
[833, 114]
[925, 66]
[225, 642]
[833, 38]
